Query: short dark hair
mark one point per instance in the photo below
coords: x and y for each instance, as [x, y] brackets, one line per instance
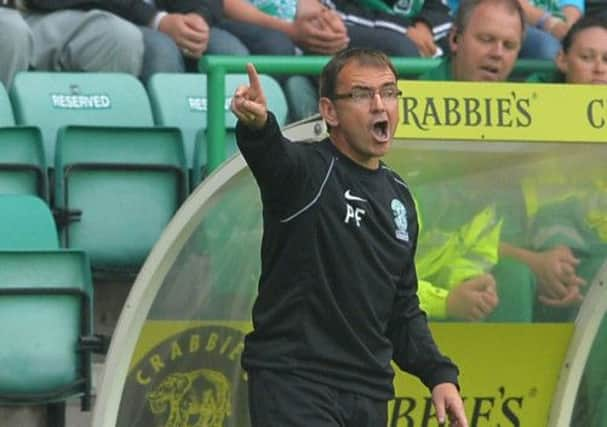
[363, 56]
[585, 22]
[467, 7]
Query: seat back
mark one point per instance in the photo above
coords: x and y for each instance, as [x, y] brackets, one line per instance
[26, 223]
[6, 110]
[45, 307]
[181, 100]
[120, 187]
[52, 100]
[178, 100]
[22, 162]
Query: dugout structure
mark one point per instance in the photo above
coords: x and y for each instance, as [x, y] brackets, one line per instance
[175, 352]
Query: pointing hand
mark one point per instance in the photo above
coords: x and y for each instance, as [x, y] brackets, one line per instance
[249, 102]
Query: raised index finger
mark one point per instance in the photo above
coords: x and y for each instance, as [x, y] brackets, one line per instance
[253, 78]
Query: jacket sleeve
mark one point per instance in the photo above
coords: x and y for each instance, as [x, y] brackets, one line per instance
[432, 299]
[210, 10]
[414, 348]
[436, 15]
[353, 14]
[276, 163]
[137, 11]
[433, 12]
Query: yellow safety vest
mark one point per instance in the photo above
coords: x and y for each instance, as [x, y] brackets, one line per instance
[446, 259]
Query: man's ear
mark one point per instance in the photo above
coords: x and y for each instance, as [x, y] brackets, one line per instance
[561, 62]
[453, 39]
[327, 111]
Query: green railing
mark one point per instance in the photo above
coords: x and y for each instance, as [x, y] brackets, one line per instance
[217, 66]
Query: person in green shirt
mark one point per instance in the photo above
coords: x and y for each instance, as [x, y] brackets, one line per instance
[464, 276]
[324, 27]
[577, 207]
[484, 42]
[582, 60]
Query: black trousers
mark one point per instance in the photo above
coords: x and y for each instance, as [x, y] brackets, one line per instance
[281, 399]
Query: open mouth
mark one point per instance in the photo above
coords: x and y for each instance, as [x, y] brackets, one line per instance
[380, 130]
[490, 72]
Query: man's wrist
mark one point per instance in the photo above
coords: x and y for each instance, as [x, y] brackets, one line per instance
[156, 21]
[541, 23]
[421, 23]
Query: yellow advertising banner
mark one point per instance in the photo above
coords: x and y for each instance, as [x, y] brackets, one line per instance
[508, 374]
[508, 371]
[502, 111]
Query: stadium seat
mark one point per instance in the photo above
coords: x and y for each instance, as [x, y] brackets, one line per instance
[52, 100]
[45, 328]
[180, 100]
[26, 223]
[6, 110]
[116, 189]
[22, 162]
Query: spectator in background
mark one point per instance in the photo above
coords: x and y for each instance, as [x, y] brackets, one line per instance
[484, 52]
[324, 29]
[303, 24]
[16, 44]
[481, 277]
[177, 33]
[578, 209]
[318, 27]
[463, 269]
[575, 221]
[396, 27]
[42, 36]
[484, 41]
[549, 21]
[289, 28]
[583, 56]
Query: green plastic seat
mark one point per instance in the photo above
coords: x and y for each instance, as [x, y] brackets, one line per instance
[45, 314]
[116, 189]
[6, 110]
[181, 100]
[26, 223]
[52, 100]
[22, 162]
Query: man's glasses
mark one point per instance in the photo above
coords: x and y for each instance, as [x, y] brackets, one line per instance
[366, 94]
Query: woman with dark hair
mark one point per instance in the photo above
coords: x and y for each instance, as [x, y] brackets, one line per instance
[583, 56]
[583, 60]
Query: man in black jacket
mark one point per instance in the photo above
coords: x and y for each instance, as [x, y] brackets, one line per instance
[77, 40]
[337, 296]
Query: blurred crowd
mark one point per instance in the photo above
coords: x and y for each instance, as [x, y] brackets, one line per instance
[143, 37]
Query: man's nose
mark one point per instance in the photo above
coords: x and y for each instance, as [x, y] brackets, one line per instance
[600, 65]
[377, 102]
[497, 49]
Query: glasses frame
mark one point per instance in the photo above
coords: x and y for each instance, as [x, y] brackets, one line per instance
[354, 96]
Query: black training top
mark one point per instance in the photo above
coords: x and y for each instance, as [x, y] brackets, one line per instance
[337, 294]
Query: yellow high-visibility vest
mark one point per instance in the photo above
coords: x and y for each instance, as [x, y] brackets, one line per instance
[446, 259]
